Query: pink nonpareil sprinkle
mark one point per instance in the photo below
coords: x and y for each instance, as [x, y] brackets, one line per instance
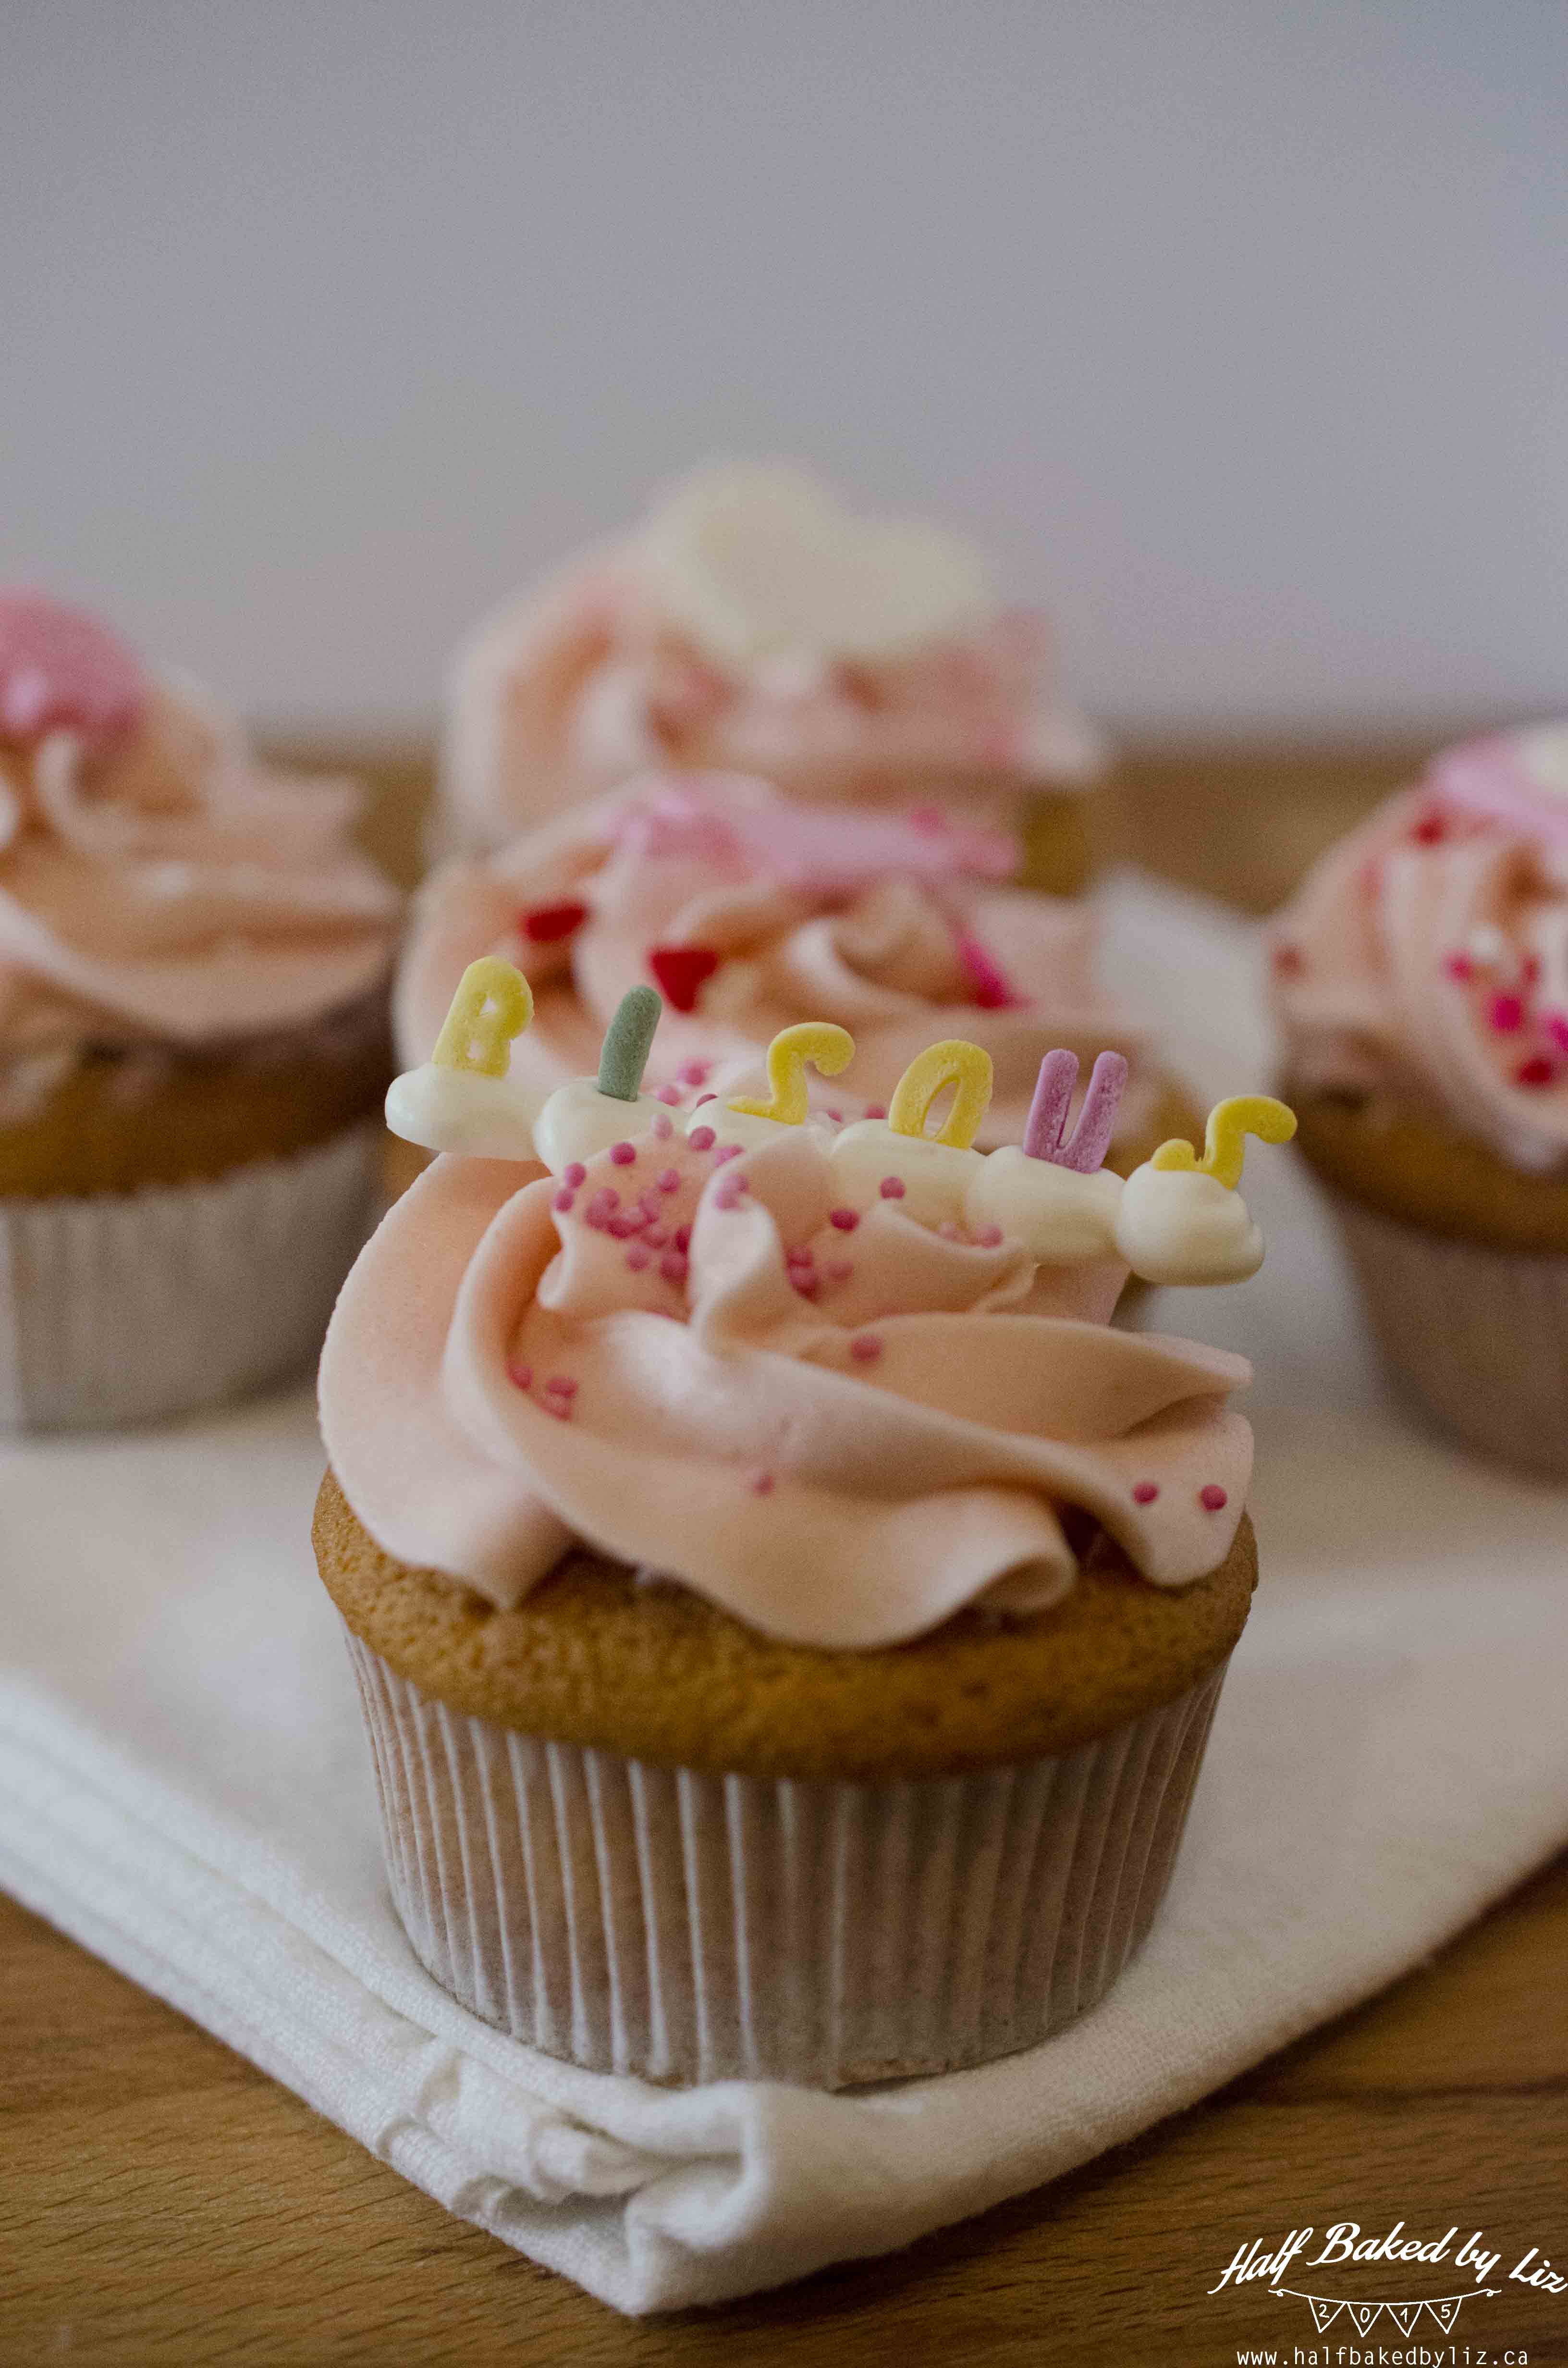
[1506, 1013]
[807, 1283]
[704, 1098]
[655, 1237]
[560, 1408]
[892, 1188]
[672, 1266]
[574, 1174]
[597, 1218]
[727, 1151]
[1145, 1492]
[563, 1201]
[701, 1138]
[694, 1073]
[1554, 1025]
[836, 1118]
[1289, 961]
[1213, 1498]
[560, 1385]
[669, 1095]
[762, 1484]
[622, 1155]
[668, 1179]
[865, 1348]
[950, 1230]
[607, 1198]
[651, 1203]
[625, 1223]
[989, 1236]
[683, 1238]
[519, 1374]
[637, 1257]
[1537, 1071]
[729, 1195]
[661, 1129]
[1460, 967]
[844, 1219]
[876, 1110]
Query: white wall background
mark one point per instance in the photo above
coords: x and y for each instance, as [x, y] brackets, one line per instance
[1237, 327]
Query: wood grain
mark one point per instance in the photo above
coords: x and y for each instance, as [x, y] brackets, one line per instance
[162, 2203]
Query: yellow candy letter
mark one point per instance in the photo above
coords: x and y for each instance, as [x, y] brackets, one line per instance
[1224, 1139]
[826, 1048]
[492, 1004]
[953, 1063]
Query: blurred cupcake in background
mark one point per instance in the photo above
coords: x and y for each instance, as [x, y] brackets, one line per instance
[194, 967]
[787, 1617]
[747, 911]
[750, 624]
[1421, 981]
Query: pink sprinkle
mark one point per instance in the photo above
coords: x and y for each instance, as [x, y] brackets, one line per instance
[844, 1219]
[876, 1110]
[560, 1385]
[672, 1266]
[988, 1237]
[701, 1138]
[807, 1284]
[655, 1237]
[626, 1222]
[728, 1196]
[1213, 1498]
[637, 1258]
[950, 1229]
[1459, 967]
[762, 1484]
[1430, 830]
[560, 1408]
[1555, 1025]
[892, 1188]
[649, 1204]
[801, 1255]
[623, 1154]
[1145, 1492]
[704, 1098]
[683, 1238]
[607, 1198]
[518, 1373]
[1289, 962]
[1532, 970]
[669, 1095]
[574, 1174]
[1537, 1071]
[694, 1073]
[565, 1201]
[662, 1129]
[668, 1179]
[597, 1218]
[839, 1270]
[727, 1151]
[1506, 1013]
[865, 1348]
[836, 1117]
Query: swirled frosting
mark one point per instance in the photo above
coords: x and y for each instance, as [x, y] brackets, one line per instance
[1424, 959]
[839, 1431]
[764, 913]
[750, 625]
[157, 886]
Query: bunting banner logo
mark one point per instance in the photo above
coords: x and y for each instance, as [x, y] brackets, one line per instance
[1364, 2315]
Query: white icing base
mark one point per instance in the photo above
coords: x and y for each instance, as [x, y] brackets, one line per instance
[445, 1108]
[1059, 1214]
[1178, 1225]
[577, 1122]
[936, 1177]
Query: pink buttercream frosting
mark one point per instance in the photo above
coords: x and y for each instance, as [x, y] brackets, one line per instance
[896, 928]
[157, 887]
[839, 1437]
[1424, 959]
[599, 676]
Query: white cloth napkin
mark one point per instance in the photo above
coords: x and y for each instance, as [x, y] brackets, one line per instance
[185, 1787]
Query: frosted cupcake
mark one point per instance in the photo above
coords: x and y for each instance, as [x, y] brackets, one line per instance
[1421, 981]
[747, 911]
[194, 969]
[750, 625]
[787, 1617]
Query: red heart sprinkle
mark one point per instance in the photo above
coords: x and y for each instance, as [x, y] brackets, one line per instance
[681, 971]
[546, 924]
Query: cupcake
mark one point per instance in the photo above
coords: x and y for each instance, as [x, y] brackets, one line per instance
[194, 1044]
[750, 625]
[787, 1617]
[746, 909]
[1421, 983]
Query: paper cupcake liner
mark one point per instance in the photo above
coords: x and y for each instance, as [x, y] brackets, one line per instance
[1478, 1334]
[686, 1926]
[129, 1307]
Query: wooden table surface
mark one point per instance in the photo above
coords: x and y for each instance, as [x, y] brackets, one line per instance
[163, 2202]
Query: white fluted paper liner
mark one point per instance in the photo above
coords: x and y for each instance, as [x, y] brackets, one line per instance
[129, 1307]
[686, 1926]
[1480, 1336]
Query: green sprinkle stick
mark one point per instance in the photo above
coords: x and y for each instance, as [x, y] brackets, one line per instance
[623, 1056]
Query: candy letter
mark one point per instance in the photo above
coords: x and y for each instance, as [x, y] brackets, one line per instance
[492, 1004]
[623, 1056]
[827, 1048]
[966, 1067]
[1229, 1122]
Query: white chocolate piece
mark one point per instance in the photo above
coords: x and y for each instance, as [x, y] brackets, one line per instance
[445, 1108]
[1058, 1215]
[936, 1177]
[578, 1122]
[1179, 1226]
